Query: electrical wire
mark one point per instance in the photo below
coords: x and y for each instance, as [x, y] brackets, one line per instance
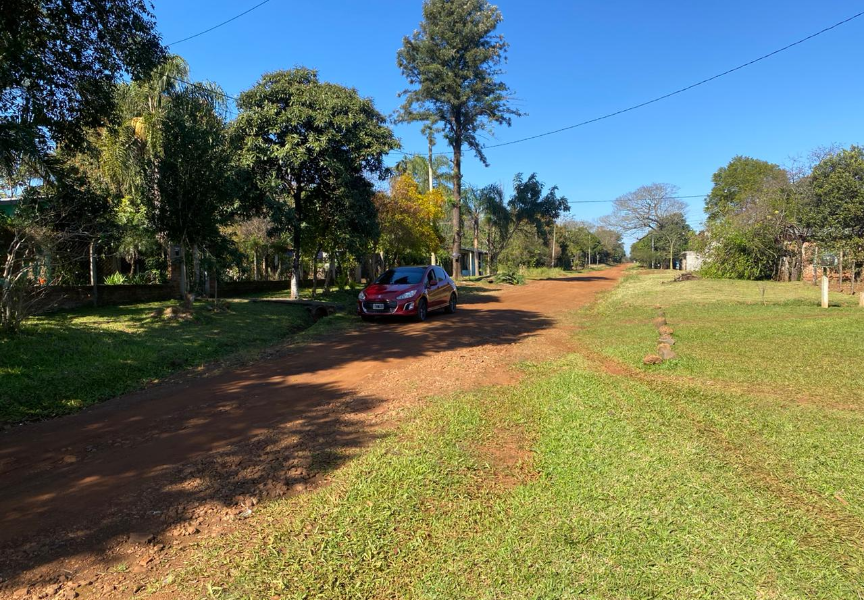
[670, 94]
[234, 18]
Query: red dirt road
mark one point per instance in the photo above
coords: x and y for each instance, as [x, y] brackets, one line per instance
[184, 459]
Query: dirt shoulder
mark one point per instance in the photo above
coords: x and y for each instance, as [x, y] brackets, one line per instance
[90, 501]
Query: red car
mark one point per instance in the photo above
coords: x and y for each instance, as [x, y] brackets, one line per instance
[408, 292]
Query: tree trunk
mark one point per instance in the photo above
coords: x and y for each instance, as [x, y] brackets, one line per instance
[315, 273]
[94, 278]
[196, 269]
[840, 282]
[184, 287]
[554, 232]
[476, 226]
[456, 215]
[815, 260]
[254, 265]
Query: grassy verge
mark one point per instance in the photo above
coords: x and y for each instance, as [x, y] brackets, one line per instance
[63, 362]
[765, 337]
[579, 483]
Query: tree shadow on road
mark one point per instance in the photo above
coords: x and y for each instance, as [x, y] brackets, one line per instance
[158, 462]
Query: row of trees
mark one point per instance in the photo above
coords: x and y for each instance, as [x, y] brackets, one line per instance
[116, 155]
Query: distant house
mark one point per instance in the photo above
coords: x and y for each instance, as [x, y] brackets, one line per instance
[7, 206]
[691, 261]
[467, 263]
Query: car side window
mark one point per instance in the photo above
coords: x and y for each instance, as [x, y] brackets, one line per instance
[430, 277]
[442, 275]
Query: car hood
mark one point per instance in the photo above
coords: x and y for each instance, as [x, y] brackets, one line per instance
[376, 290]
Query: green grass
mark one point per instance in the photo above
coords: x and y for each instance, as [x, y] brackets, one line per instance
[628, 492]
[63, 362]
[579, 483]
[783, 344]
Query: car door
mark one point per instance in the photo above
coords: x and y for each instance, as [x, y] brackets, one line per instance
[432, 292]
[443, 288]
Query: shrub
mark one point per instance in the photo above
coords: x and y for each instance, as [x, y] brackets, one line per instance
[510, 277]
[116, 279]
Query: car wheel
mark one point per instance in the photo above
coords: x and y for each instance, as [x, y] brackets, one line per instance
[422, 310]
[451, 306]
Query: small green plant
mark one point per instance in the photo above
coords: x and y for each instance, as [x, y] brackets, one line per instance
[116, 279]
[510, 278]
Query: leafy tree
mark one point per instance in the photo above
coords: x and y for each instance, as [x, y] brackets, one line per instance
[408, 220]
[741, 188]
[836, 213]
[528, 208]
[453, 61]
[59, 61]
[671, 236]
[751, 220]
[306, 142]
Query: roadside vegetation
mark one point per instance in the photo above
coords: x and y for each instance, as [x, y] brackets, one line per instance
[767, 337]
[600, 479]
[63, 362]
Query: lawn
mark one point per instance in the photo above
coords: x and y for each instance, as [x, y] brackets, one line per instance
[63, 362]
[781, 343]
[585, 483]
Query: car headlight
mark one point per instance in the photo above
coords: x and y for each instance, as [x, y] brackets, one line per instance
[406, 295]
[362, 296]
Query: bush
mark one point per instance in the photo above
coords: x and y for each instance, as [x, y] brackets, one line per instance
[116, 279]
[510, 278]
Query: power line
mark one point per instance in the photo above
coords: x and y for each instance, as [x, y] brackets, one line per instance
[609, 201]
[234, 18]
[670, 94]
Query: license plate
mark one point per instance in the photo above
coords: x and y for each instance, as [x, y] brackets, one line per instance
[377, 307]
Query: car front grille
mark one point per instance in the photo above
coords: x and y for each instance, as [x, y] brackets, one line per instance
[389, 306]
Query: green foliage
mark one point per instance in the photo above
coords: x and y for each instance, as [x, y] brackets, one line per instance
[749, 220]
[741, 253]
[510, 278]
[528, 211]
[309, 145]
[742, 187]
[665, 243]
[837, 211]
[60, 62]
[454, 61]
[116, 279]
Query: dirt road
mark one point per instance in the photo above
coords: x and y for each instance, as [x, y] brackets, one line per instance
[181, 460]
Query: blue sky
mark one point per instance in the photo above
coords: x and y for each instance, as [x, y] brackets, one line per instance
[571, 61]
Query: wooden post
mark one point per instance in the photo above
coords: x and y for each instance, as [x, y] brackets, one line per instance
[824, 289]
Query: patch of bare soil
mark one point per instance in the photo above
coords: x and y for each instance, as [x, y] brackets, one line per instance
[100, 503]
[508, 458]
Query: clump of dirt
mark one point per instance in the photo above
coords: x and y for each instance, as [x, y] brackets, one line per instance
[665, 340]
[173, 313]
[219, 306]
[651, 359]
[688, 276]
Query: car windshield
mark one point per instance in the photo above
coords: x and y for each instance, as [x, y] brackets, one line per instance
[402, 276]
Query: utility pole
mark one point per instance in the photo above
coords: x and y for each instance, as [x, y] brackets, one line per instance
[429, 130]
